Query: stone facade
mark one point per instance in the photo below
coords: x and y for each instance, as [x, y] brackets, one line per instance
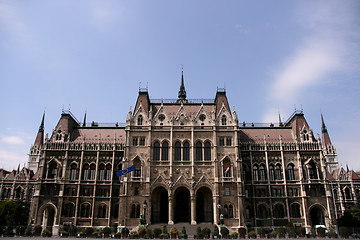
[193, 162]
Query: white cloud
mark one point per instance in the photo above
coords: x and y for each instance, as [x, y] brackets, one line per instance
[14, 140]
[9, 160]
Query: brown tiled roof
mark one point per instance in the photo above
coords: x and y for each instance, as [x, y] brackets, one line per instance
[329, 176]
[257, 135]
[11, 175]
[100, 134]
[354, 175]
[3, 173]
[191, 109]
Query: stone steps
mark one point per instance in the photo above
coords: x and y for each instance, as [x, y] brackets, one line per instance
[190, 229]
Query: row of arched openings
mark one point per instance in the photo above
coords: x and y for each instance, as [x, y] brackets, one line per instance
[182, 151]
[85, 210]
[140, 120]
[275, 172]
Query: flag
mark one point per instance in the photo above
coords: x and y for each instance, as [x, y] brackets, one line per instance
[227, 169]
[125, 171]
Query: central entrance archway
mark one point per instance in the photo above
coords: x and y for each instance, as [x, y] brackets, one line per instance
[204, 205]
[159, 205]
[317, 216]
[182, 205]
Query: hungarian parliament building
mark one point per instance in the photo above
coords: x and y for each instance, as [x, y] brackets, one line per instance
[194, 162]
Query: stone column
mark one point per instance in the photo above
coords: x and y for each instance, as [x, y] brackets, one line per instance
[171, 220]
[193, 209]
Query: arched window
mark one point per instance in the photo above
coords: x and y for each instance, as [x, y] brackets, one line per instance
[248, 212]
[262, 173]
[137, 172]
[85, 210]
[227, 168]
[278, 211]
[186, 151]
[137, 211]
[18, 193]
[295, 210]
[52, 170]
[102, 211]
[223, 120]
[177, 151]
[165, 151]
[140, 120]
[69, 210]
[108, 172]
[156, 151]
[92, 171]
[347, 194]
[58, 135]
[271, 172]
[255, 173]
[262, 211]
[133, 211]
[226, 211]
[102, 172]
[86, 171]
[199, 151]
[311, 170]
[231, 212]
[290, 172]
[278, 172]
[73, 171]
[207, 151]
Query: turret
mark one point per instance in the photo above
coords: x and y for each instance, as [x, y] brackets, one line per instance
[35, 150]
[182, 92]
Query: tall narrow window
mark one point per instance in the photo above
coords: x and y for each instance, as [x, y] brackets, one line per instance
[312, 170]
[156, 151]
[278, 211]
[262, 173]
[165, 151]
[85, 210]
[295, 210]
[278, 175]
[227, 168]
[102, 172]
[226, 211]
[256, 173]
[223, 120]
[108, 172]
[186, 151]
[291, 175]
[52, 170]
[177, 151]
[86, 172]
[199, 151]
[271, 172]
[73, 171]
[140, 120]
[207, 151]
[137, 172]
[92, 171]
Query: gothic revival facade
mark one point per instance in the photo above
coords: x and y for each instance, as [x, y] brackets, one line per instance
[193, 162]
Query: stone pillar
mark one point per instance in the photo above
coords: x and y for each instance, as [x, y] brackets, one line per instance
[193, 209]
[171, 220]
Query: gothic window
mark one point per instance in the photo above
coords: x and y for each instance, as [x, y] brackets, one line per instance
[135, 141]
[311, 170]
[278, 211]
[58, 136]
[227, 168]
[18, 193]
[161, 118]
[243, 173]
[262, 211]
[135, 211]
[108, 172]
[142, 141]
[295, 210]
[199, 151]
[156, 151]
[271, 172]
[102, 172]
[202, 117]
[262, 174]
[69, 210]
[278, 172]
[228, 211]
[347, 194]
[52, 170]
[290, 170]
[137, 172]
[255, 173]
[85, 210]
[186, 151]
[165, 151]
[102, 211]
[73, 171]
[223, 120]
[86, 172]
[228, 141]
[177, 151]
[222, 141]
[248, 212]
[140, 120]
[207, 151]
[92, 171]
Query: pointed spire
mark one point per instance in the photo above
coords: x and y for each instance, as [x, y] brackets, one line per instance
[18, 170]
[182, 92]
[323, 127]
[40, 136]
[280, 122]
[84, 122]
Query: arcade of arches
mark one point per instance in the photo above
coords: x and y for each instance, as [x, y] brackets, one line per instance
[181, 206]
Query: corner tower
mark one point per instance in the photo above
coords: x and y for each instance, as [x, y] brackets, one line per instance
[35, 150]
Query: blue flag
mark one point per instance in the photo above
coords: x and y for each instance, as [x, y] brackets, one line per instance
[125, 171]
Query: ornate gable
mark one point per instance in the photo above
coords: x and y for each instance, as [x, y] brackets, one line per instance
[181, 117]
[160, 180]
[182, 181]
[203, 181]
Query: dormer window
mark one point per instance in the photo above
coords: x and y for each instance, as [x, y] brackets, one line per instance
[223, 120]
[58, 136]
[140, 120]
[306, 135]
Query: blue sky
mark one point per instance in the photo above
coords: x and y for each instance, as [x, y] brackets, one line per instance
[93, 55]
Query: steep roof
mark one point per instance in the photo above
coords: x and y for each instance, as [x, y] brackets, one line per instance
[257, 135]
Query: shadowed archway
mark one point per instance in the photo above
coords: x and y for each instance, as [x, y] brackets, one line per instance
[182, 205]
[159, 206]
